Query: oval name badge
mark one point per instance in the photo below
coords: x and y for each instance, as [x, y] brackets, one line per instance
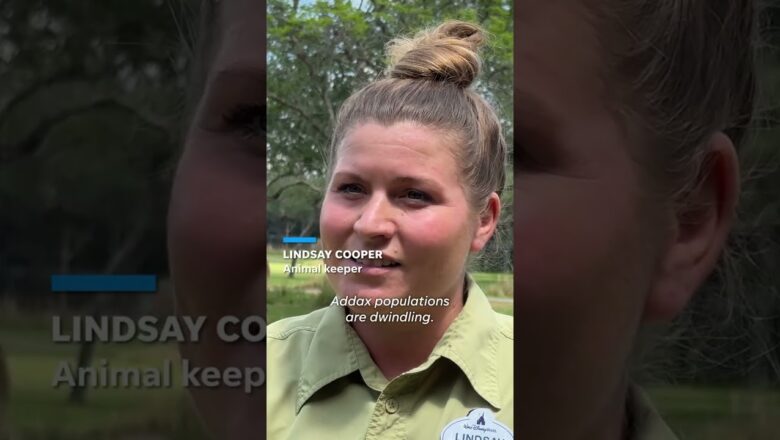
[479, 424]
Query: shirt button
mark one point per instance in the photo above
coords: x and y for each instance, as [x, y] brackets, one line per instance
[391, 405]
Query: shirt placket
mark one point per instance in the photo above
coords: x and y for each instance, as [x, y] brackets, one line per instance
[391, 411]
[387, 421]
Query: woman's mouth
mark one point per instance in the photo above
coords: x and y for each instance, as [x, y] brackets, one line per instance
[375, 267]
[385, 263]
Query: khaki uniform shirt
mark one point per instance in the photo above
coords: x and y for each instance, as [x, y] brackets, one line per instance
[322, 383]
[645, 422]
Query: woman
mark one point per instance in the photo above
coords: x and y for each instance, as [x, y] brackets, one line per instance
[629, 117]
[416, 169]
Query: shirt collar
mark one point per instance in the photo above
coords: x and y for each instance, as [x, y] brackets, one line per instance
[645, 422]
[470, 342]
[330, 355]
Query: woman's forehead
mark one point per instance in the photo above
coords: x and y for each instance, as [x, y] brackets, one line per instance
[557, 49]
[240, 31]
[407, 148]
[401, 140]
[561, 89]
[560, 66]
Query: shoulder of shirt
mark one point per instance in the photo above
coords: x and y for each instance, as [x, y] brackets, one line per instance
[506, 325]
[284, 328]
[308, 323]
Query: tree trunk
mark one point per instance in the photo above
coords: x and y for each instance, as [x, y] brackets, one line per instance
[295, 260]
[78, 394]
[71, 244]
[87, 349]
[5, 385]
[292, 266]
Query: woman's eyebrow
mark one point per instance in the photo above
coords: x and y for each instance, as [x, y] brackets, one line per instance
[417, 180]
[347, 175]
[406, 179]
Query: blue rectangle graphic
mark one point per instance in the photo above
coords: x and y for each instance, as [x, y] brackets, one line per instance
[104, 283]
[298, 240]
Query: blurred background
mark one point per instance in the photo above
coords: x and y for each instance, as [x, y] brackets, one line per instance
[91, 119]
[714, 373]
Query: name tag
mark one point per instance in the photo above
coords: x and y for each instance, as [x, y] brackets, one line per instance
[479, 424]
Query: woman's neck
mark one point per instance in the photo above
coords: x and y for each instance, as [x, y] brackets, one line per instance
[399, 347]
[611, 423]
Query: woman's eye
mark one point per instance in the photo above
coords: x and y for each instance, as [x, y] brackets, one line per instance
[417, 196]
[350, 189]
[246, 119]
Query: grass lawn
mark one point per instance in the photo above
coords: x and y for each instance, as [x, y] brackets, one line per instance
[278, 279]
[719, 413]
[39, 411]
[299, 295]
[283, 303]
[493, 284]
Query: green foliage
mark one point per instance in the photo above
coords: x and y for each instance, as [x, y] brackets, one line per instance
[718, 413]
[90, 111]
[320, 52]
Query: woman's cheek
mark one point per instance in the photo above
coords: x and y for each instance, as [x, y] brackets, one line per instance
[582, 269]
[436, 228]
[335, 223]
[538, 257]
[564, 243]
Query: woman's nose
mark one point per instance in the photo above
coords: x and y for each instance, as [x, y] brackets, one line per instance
[376, 218]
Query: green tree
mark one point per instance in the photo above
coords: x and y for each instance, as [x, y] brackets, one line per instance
[89, 125]
[322, 51]
[90, 116]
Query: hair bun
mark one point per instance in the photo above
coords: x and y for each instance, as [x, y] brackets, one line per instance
[448, 53]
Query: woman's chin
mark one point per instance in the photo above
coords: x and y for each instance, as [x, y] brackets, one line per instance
[372, 292]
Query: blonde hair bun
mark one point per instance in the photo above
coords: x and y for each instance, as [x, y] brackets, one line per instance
[447, 53]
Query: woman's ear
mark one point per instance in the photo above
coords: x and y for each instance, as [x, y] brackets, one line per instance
[488, 220]
[699, 233]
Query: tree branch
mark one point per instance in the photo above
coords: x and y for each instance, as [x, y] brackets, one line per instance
[309, 119]
[31, 89]
[31, 144]
[278, 193]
